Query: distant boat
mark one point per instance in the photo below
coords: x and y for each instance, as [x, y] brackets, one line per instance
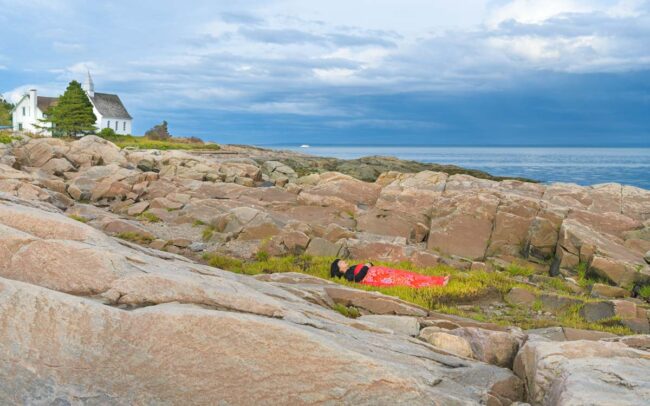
[304, 146]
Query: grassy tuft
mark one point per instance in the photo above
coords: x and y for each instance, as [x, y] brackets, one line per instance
[224, 262]
[150, 217]
[135, 237]
[517, 270]
[262, 256]
[78, 218]
[572, 318]
[644, 292]
[351, 312]
[7, 139]
[208, 233]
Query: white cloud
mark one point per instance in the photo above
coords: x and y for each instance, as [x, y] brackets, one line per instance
[14, 95]
[334, 75]
[534, 11]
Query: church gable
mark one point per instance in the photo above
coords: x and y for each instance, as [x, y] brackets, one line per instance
[110, 105]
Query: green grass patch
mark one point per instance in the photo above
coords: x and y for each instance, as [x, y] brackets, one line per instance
[198, 223]
[208, 233]
[572, 318]
[150, 217]
[463, 288]
[262, 256]
[130, 141]
[348, 311]
[135, 237]
[7, 139]
[557, 284]
[587, 279]
[517, 270]
[644, 292]
[78, 218]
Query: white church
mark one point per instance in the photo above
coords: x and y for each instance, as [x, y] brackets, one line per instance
[108, 109]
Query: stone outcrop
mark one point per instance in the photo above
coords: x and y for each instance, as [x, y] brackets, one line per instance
[413, 216]
[583, 373]
[129, 325]
[144, 322]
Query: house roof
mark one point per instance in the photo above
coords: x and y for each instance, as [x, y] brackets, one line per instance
[43, 103]
[110, 105]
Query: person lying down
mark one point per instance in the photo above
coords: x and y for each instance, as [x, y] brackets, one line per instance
[369, 274]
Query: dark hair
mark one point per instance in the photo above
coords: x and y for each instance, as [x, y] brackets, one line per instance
[334, 269]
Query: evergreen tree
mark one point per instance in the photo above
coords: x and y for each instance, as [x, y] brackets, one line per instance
[5, 112]
[73, 114]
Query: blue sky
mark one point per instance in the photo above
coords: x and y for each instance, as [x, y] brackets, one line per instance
[434, 72]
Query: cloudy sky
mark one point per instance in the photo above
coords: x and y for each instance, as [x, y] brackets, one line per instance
[435, 72]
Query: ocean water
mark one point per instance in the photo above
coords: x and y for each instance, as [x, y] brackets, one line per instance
[584, 166]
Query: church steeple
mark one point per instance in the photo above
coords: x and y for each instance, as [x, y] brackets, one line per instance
[89, 86]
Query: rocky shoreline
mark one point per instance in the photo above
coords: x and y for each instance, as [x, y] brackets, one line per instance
[141, 319]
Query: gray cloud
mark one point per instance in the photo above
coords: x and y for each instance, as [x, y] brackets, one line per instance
[243, 55]
[280, 36]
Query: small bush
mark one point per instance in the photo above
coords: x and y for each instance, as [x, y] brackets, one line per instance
[107, 133]
[158, 132]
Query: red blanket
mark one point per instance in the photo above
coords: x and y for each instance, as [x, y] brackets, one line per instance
[383, 276]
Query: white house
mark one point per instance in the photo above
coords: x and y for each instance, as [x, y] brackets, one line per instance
[29, 110]
[108, 109]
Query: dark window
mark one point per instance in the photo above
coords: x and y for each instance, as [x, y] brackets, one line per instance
[116, 123]
[20, 125]
[24, 112]
[124, 126]
[108, 124]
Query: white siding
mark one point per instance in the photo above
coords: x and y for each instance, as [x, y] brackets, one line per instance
[32, 116]
[102, 122]
[30, 119]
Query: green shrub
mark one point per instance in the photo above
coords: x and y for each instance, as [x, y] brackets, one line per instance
[107, 133]
[7, 139]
